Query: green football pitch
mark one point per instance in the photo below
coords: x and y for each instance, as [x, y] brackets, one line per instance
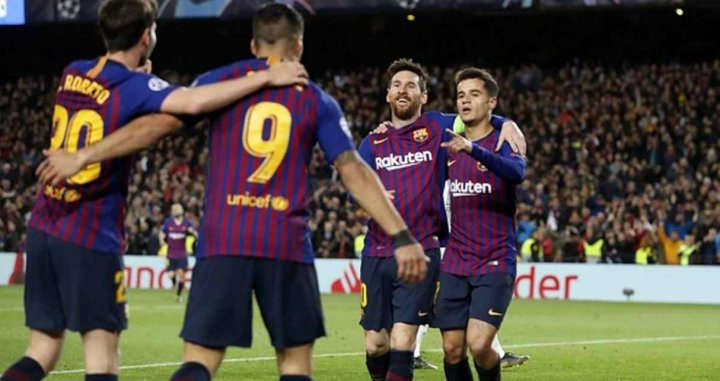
[566, 341]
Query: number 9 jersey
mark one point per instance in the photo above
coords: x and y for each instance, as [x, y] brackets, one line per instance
[94, 98]
[257, 179]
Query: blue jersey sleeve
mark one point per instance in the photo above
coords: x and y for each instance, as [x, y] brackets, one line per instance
[508, 165]
[148, 92]
[166, 226]
[332, 130]
[497, 122]
[366, 153]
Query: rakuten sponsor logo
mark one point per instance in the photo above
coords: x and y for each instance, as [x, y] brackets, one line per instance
[394, 162]
[469, 188]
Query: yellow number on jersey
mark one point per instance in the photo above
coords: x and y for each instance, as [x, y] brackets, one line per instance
[67, 133]
[363, 295]
[272, 150]
[120, 291]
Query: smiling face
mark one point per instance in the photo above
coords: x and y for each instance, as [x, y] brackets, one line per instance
[405, 95]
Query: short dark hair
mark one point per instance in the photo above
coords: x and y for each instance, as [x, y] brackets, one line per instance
[122, 22]
[274, 22]
[407, 64]
[490, 84]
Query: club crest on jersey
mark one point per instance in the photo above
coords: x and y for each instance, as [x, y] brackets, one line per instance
[481, 167]
[420, 135]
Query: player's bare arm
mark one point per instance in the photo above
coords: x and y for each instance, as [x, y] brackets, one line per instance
[207, 98]
[139, 134]
[366, 188]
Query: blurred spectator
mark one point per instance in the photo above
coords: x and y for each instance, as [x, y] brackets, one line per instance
[608, 148]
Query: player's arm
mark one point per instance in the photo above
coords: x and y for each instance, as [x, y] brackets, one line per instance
[139, 134]
[207, 98]
[510, 167]
[509, 133]
[368, 191]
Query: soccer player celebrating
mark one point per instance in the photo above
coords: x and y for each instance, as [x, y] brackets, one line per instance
[174, 234]
[478, 269]
[254, 234]
[75, 239]
[410, 161]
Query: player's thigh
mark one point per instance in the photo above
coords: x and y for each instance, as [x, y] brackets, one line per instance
[43, 304]
[479, 336]
[209, 357]
[101, 350]
[452, 302]
[413, 304]
[288, 295]
[375, 294]
[219, 311]
[91, 284]
[491, 296]
[295, 360]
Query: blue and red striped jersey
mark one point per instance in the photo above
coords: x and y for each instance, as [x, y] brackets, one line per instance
[482, 202]
[411, 166]
[257, 179]
[95, 98]
[175, 236]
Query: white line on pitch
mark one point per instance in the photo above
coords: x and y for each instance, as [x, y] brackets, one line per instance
[351, 354]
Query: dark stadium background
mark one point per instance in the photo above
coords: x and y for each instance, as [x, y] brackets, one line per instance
[493, 38]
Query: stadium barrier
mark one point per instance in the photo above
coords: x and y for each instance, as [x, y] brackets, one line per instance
[664, 284]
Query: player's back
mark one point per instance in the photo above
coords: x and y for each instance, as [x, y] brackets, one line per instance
[94, 98]
[257, 181]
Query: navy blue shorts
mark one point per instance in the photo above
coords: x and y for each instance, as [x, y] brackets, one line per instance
[219, 311]
[72, 287]
[177, 264]
[483, 297]
[386, 301]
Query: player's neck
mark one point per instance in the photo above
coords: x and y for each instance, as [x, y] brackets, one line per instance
[177, 220]
[479, 130]
[129, 58]
[279, 53]
[400, 123]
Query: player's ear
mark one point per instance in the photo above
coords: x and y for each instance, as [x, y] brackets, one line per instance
[424, 97]
[253, 47]
[492, 102]
[298, 47]
[387, 95]
[146, 39]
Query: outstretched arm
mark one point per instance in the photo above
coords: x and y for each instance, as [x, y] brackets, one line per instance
[510, 168]
[139, 134]
[369, 192]
[208, 98]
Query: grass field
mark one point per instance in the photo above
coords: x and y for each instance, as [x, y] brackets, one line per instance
[566, 340]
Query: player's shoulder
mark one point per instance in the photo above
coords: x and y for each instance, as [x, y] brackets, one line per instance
[320, 94]
[80, 65]
[232, 70]
[438, 116]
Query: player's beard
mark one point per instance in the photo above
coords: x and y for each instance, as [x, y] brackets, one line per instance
[407, 112]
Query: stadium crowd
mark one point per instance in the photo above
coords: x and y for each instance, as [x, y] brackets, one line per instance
[623, 162]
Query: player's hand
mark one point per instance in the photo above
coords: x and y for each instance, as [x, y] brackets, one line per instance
[412, 263]
[58, 166]
[382, 128]
[511, 134]
[147, 68]
[390, 194]
[457, 144]
[287, 73]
